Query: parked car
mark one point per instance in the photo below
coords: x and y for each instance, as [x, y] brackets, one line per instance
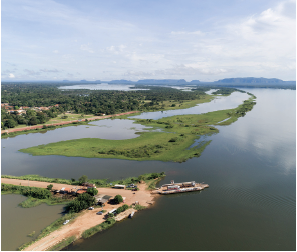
[99, 213]
[91, 208]
[65, 222]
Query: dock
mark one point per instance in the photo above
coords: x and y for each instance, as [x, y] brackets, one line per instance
[181, 187]
[124, 214]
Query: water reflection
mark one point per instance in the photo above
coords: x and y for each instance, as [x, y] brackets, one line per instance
[104, 86]
[249, 165]
[219, 103]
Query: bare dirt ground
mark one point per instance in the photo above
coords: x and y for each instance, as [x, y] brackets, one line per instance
[67, 122]
[88, 218]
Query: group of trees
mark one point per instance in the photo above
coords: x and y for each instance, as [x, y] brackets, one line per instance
[83, 201]
[32, 117]
[35, 192]
[82, 101]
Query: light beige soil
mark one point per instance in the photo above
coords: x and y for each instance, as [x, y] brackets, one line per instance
[89, 218]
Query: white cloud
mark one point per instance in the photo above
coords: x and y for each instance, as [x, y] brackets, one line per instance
[116, 49]
[11, 76]
[50, 70]
[200, 33]
[74, 39]
[87, 48]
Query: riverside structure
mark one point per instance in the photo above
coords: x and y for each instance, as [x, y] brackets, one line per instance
[181, 187]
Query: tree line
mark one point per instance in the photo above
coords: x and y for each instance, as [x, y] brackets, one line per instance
[82, 101]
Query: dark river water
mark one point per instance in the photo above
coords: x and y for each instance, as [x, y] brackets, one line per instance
[250, 166]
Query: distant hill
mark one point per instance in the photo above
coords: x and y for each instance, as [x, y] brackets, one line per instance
[164, 81]
[195, 81]
[120, 82]
[251, 80]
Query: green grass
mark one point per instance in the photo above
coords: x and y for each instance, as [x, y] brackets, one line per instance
[62, 244]
[179, 132]
[99, 182]
[172, 144]
[139, 207]
[105, 225]
[32, 202]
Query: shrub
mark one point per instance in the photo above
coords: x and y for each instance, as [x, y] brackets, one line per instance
[118, 199]
[50, 187]
[83, 201]
[174, 139]
[110, 215]
[154, 176]
[92, 191]
[83, 179]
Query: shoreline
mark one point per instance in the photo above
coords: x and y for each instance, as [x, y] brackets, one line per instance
[87, 218]
[64, 123]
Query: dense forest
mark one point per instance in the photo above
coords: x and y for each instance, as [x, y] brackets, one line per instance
[82, 101]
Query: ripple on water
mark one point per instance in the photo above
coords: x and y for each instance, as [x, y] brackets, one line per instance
[252, 197]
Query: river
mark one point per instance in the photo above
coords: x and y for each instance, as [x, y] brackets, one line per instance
[250, 166]
[17, 222]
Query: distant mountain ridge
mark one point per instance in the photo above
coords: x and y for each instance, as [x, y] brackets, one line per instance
[245, 80]
[251, 80]
[164, 81]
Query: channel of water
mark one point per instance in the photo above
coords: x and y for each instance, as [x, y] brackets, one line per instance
[250, 166]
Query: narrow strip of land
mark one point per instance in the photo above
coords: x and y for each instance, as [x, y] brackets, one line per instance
[88, 218]
[66, 122]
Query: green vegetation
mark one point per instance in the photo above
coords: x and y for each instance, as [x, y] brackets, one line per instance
[31, 234]
[139, 207]
[92, 191]
[105, 225]
[98, 182]
[122, 208]
[172, 144]
[54, 101]
[62, 244]
[83, 179]
[118, 199]
[36, 196]
[50, 187]
[41, 130]
[83, 201]
[39, 193]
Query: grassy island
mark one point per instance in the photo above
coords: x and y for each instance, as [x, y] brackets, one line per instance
[173, 143]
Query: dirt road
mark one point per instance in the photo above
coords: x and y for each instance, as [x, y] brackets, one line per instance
[89, 218]
[68, 122]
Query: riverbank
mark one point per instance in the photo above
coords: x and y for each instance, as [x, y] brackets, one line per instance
[174, 140]
[30, 129]
[87, 218]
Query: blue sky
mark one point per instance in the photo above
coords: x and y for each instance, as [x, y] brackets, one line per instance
[141, 39]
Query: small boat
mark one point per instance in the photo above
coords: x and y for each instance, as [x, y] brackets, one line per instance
[131, 214]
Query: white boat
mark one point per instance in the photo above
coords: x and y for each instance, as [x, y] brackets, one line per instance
[131, 214]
